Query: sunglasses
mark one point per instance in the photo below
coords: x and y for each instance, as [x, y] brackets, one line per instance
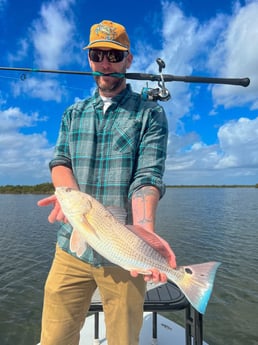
[97, 55]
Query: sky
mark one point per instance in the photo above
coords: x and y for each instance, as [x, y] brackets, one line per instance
[213, 129]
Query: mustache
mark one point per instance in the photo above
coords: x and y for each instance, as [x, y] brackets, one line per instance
[112, 86]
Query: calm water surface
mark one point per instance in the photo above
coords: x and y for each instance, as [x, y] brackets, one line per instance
[201, 224]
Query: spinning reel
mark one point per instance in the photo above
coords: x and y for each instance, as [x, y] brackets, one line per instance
[158, 94]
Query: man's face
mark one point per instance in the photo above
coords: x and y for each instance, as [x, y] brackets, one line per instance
[109, 86]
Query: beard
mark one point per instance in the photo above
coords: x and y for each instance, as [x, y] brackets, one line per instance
[108, 84]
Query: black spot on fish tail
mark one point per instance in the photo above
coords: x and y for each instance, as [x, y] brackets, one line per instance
[188, 270]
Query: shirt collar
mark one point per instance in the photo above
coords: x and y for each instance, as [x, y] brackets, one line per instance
[117, 99]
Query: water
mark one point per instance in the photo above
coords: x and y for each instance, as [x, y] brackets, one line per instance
[201, 224]
[26, 247]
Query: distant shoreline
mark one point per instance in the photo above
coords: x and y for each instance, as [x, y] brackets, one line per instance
[48, 188]
[43, 188]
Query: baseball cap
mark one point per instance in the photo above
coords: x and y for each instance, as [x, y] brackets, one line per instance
[108, 34]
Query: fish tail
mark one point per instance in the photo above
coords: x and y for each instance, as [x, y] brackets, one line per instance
[196, 283]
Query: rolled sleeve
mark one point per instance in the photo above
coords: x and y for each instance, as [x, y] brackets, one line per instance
[62, 151]
[152, 153]
[64, 161]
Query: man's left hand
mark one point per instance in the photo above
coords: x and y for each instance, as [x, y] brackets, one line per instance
[156, 276]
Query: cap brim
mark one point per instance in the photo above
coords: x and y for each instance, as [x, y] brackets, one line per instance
[105, 44]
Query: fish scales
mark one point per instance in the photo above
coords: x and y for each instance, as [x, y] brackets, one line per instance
[115, 239]
[125, 247]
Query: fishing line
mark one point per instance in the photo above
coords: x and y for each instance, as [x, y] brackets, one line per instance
[25, 77]
[1, 76]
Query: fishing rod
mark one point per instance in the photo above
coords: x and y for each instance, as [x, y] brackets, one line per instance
[161, 93]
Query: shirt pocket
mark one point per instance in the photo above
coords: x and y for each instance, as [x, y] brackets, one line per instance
[126, 138]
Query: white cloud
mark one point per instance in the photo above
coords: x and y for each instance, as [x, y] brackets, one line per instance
[20, 53]
[236, 154]
[224, 46]
[28, 154]
[186, 45]
[239, 142]
[235, 55]
[51, 41]
[53, 34]
[44, 89]
[218, 47]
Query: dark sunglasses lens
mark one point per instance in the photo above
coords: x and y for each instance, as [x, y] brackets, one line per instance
[96, 55]
[114, 56]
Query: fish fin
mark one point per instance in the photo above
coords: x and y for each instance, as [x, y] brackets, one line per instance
[153, 285]
[155, 241]
[197, 283]
[78, 244]
[87, 226]
[141, 271]
[118, 212]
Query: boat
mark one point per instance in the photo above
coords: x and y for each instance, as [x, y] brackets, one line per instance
[156, 329]
[168, 332]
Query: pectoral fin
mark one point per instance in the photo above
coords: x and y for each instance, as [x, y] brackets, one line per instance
[78, 244]
[143, 272]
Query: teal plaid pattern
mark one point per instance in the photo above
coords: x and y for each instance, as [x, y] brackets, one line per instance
[112, 154]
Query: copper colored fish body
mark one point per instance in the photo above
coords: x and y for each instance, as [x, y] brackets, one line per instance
[130, 248]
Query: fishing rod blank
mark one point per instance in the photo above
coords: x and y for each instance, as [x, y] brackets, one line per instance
[142, 76]
[189, 79]
[57, 71]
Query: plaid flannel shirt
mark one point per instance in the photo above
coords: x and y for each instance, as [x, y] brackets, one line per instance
[112, 154]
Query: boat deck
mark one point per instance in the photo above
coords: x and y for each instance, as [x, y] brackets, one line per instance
[166, 298]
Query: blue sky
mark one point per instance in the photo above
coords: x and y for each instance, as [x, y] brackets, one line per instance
[213, 129]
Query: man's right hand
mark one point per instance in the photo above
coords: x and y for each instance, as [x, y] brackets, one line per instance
[56, 214]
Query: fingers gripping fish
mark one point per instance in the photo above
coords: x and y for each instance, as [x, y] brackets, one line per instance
[130, 247]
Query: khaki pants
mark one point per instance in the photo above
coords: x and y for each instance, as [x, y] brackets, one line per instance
[68, 293]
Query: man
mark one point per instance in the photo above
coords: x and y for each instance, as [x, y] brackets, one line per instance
[112, 146]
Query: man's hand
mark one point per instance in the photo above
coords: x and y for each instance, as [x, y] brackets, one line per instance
[155, 276]
[56, 214]
[161, 246]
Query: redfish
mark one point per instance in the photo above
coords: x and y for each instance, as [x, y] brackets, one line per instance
[129, 247]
